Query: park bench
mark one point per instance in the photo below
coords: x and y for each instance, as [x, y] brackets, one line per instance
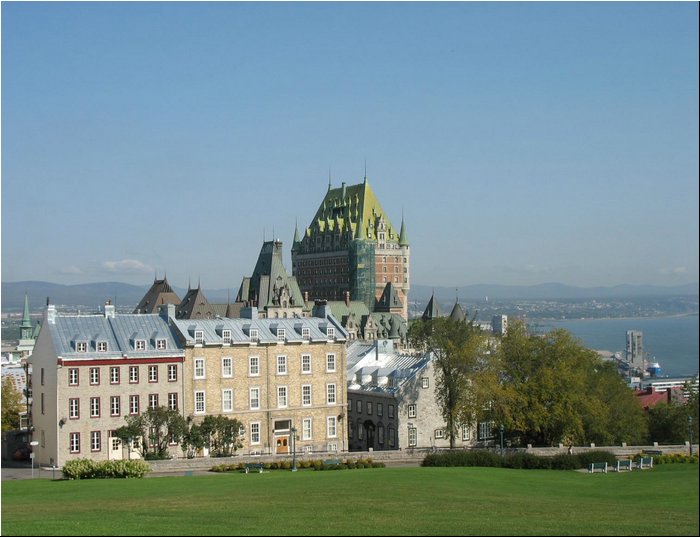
[602, 466]
[645, 462]
[331, 462]
[652, 452]
[623, 465]
[253, 466]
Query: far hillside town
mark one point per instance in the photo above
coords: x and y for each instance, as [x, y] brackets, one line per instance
[319, 360]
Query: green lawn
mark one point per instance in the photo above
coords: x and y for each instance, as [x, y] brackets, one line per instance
[389, 501]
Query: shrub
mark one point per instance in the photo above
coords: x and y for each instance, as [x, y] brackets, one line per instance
[587, 457]
[89, 469]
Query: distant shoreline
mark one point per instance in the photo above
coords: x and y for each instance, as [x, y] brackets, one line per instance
[568, 319]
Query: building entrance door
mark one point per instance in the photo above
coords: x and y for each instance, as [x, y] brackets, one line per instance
[282, 445]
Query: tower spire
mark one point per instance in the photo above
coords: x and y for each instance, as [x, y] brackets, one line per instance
[365, 171]
[329, 179]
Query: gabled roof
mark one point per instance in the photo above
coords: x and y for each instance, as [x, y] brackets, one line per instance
[457, 313]
[160, 293]
[389, 300]
[432, 311]
[194, 306]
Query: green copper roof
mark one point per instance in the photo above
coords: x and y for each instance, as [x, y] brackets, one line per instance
[351, 209]
[26, 321]
[403, 241]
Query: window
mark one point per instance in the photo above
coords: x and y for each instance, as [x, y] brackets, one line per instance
[255, 432]
[114, 375]
[199, 403]
[306, 364]
[306, 429]
[330, 363]
[133, 374]
[391, 411]
[101, 346]
[199, 368]
[254, 334]
[72, 377]
[254, 398]
[305, 333]
[254, 366]
[94, 376]
[172, 372]
[380, 409]
[74, 442]
[227, 367]
[152, 373]
[332, 447]
[81, 346]
[74, 408]
[330, 332]
[161, 344]
[115, 405]
[198, 337]
[358, 406]
[94, 407]
[152, 400]
[369, 408]
[439, 434]
[466, 435]
[281, 396]
[485, 430]
[425, 382]
[172, 401]
[331, 427]
[412, 436]
[227, 400]
[281, 365]
[306, 395]
[43, 406]
[280, 334]
[226, 336]
[380, 435]
[330, 394]
[140, 344]
[411, 411]
[391, 433]
[133, 404]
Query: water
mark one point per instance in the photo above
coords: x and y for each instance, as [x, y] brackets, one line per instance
[671, 341]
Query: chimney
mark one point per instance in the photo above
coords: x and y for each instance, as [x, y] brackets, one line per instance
[347, 298]
[306, 297]
[110, 311]
[321, 309]
[167, 311]
[249, 313]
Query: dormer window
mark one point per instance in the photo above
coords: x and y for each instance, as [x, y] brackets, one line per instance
[101, 346]
[226, 336]
[199, 337]
[81, 346]
[330, 332]
[254, 334]
[306, 333]
[140, 344]
[281, 336]
[161, 344]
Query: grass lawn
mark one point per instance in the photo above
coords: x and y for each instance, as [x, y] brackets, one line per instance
[388, 501]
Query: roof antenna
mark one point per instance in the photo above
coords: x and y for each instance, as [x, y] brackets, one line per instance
[329, 178]
[365, 170]
[456, 295]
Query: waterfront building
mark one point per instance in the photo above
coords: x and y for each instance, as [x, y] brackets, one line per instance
[634, 351]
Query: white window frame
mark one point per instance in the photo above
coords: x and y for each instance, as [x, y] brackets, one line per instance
[134, 405]
[133, 374]
[200, 406]
[94, 376]
[439, 434]
[73, 377]
[330, 332]
[161, 344]
[254, 366]
[282, 397]
[331, 427]
[331, 393]
[153, 400]
[412, 437]
[281, 364]
[425, 382]
[307, 429]
[140, 345]
[172, 372]
[94, 407]
[305, 333]
[172, 401]
[101, 346]
[152, 373]
[74, 408]
[254, 398]
[81, 346]
[226, 368]
[254, 335]
[74, 442]
[226, 335]
[466, 433]
[95, 441]
[254, 433]
[114, 375]
[199, 337]
[115, 405]
[281, 335]
[199, 368]
[412, 411]
[306, 370]
[306, 395]
[330, 363]
[227, 400]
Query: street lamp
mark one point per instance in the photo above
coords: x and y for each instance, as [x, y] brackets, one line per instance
[690, 430]
[501, 439]
[294, 449]
[35, 443]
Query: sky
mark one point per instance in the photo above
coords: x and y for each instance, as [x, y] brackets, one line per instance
[523, 143]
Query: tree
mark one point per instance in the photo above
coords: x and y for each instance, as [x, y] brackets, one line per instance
[157, 428]
[12, 405]
[220, 435]
[457, 350]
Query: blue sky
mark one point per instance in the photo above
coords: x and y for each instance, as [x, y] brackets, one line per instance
[524, 143]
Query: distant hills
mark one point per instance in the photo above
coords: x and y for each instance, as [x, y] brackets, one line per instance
[93, 295]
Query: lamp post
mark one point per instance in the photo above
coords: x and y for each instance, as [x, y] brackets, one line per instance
[501, 428]
[35, 443]
[690, 430]
[294, 449]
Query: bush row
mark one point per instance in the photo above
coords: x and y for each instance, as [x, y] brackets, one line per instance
[89, 469]
[674, 458]
[518, 460]
[317, 464]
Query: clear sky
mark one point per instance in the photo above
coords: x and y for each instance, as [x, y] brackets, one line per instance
[524, 143]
